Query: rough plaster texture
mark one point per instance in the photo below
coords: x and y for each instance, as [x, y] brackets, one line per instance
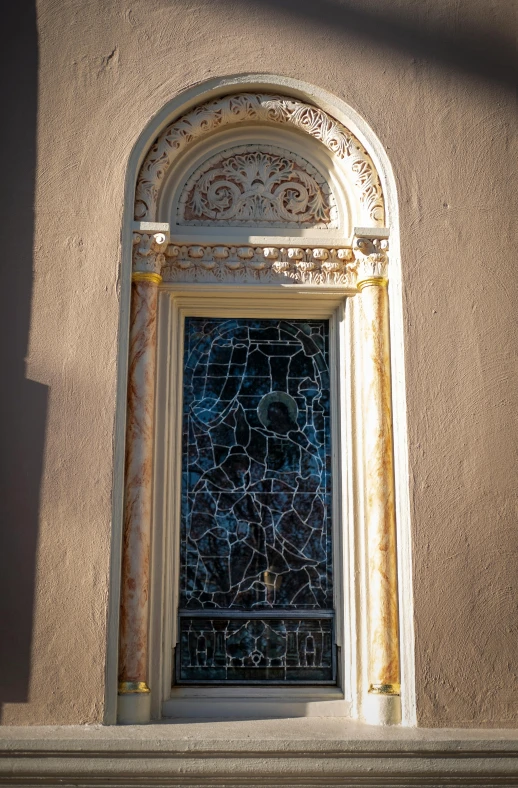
[432, 78]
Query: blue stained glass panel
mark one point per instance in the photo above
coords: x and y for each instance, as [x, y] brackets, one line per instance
[256, 498]
[256, 650]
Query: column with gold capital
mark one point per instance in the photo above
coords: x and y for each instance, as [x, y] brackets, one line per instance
[134, 697]
[382, 703]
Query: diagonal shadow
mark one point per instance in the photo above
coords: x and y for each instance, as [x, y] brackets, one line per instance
[24, 402]
[481, 52]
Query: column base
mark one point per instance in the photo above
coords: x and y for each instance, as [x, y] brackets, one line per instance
[381, 709]
[134, 708]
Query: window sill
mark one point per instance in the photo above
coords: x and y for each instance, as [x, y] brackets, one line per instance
[254, 703]
[290, 752]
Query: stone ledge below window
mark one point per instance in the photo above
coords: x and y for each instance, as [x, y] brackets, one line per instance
[281, 752]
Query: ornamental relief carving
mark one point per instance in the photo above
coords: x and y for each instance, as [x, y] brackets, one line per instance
[264, 108]
[371, 258]
[257, 186]
[260, 265]
[148, 252]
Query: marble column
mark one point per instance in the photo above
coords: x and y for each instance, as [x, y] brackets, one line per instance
[134, 693]
[383, 670]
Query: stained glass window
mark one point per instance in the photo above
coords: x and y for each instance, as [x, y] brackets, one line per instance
[256, 585]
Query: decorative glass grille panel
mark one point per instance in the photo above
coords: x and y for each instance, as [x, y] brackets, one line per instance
[256, 596]
[256, 649]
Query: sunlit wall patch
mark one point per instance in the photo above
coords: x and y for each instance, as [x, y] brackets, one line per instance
[256, 503]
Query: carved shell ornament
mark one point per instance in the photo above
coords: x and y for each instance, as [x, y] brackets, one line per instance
[265, 108]
[250, 186]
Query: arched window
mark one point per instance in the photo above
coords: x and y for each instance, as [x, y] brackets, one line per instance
[259, 446]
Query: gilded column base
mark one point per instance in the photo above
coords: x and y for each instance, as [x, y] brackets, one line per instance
[385, 689]
[129, 687]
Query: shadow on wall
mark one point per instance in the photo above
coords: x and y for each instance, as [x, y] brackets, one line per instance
[444, 35]
[24, 402]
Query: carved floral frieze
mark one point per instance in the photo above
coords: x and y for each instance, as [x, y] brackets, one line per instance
[153, 253]
[263, 265]
[262, 108]
[251, 186]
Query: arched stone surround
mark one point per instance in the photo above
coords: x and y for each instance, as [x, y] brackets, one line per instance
[258, 108]
[362, 270]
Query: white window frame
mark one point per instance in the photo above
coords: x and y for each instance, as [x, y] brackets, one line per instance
[176, 303]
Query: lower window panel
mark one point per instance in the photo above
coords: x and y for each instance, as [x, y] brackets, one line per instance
[246, 651]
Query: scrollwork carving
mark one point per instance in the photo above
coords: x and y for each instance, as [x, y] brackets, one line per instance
[252, 186]
[265, 108]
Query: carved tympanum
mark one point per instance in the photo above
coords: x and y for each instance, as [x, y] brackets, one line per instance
[257, 186]
[258, 108]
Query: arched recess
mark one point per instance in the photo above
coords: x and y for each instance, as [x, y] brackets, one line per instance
[342, 258]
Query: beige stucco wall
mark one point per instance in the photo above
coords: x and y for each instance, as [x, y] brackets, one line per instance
[431, 79]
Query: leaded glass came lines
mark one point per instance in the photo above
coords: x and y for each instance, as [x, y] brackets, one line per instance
[256, 499]
[256, 650]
